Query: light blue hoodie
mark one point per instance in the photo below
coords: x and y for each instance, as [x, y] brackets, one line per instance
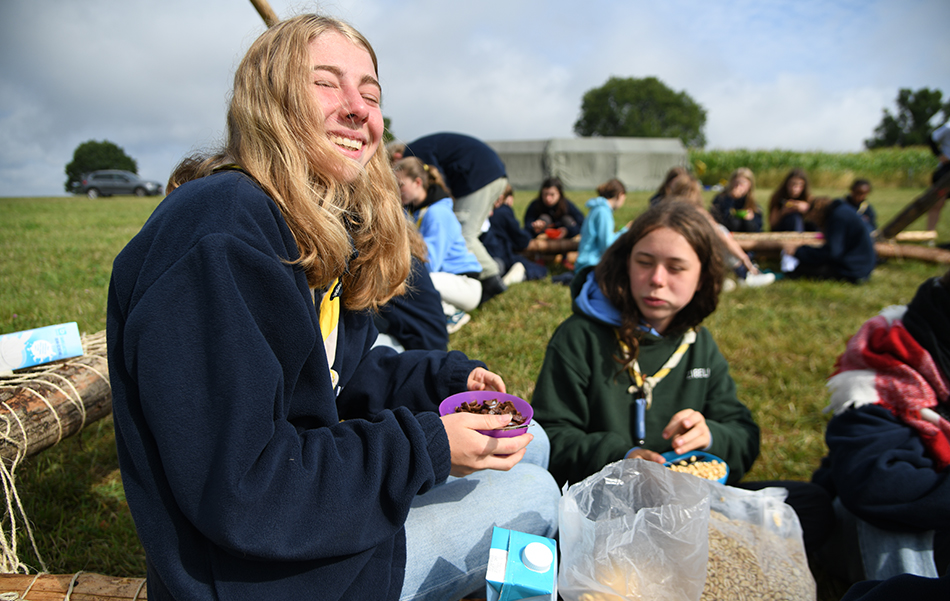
[597, 233]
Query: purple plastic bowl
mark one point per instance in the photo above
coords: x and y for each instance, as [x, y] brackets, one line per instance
[480, 396]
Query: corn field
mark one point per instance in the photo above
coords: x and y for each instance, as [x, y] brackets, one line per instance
[888, 167]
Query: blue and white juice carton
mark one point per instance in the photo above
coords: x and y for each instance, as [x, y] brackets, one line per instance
[38, 346]
[521, 566]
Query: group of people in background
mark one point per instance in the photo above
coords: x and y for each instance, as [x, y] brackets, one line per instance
[314, 460]
[454, 188]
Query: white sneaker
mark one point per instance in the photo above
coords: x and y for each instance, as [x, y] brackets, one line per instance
[756, 280]
[454, 322]
[515, 275]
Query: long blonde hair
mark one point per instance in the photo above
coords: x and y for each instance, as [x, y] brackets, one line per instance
[746, 173]
[275, 133]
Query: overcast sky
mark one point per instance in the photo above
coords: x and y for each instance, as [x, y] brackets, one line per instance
[153, 75]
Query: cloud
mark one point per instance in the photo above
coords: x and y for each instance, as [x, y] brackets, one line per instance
[153, 76]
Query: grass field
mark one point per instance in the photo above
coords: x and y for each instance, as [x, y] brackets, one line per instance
[781, 342]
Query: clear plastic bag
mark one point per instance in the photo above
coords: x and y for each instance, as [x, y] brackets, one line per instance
[635, 530]
[755, 545]
[639, 531]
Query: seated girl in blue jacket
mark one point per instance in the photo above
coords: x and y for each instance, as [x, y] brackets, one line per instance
[454, 269]
[597, 233]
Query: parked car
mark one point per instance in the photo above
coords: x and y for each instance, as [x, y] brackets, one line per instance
[107, 182]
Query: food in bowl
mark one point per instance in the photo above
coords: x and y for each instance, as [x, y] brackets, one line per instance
[494, 407]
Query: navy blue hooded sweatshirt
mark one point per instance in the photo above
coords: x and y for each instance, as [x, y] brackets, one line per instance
[248, 473]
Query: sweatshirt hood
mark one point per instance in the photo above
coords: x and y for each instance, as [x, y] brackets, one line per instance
[599, 201]
[590, 301]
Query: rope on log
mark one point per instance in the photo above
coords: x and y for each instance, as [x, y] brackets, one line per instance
[39, 406]
[81, 586]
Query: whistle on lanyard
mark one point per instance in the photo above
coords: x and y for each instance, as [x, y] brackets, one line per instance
[640, 420]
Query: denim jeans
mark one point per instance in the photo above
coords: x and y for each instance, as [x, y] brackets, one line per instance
[449, 528]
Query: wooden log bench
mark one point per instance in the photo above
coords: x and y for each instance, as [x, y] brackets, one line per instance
[82, 586]
[904, 245]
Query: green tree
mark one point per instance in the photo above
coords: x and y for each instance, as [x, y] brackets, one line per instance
[912, 124]
[387, 133]
[641, 108]
[92, 156]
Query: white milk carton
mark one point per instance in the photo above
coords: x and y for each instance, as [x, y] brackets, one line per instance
[521, 567]
[38, 346]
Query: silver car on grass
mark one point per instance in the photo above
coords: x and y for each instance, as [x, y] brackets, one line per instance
[107, 182]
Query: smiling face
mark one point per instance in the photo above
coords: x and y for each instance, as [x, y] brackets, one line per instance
[664, 274]
[345, 87]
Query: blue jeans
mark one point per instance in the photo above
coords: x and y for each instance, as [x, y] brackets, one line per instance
[859, 551]
[448, 531]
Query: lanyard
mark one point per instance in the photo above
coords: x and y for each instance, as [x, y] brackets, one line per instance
[645, 385]
[329, 325]
[422, 213]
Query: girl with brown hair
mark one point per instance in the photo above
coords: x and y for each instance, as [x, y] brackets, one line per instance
[790, 202]
[552, 212]
[636, 315]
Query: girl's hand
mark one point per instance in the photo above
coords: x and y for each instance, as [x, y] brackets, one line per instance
[646, 454]
[472, 451]
[482, 379]
[689, 431]
[798, 206]
[538, 225]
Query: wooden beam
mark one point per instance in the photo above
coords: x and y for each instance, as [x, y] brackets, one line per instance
[266, 12]
[84, 586]
[915, 209]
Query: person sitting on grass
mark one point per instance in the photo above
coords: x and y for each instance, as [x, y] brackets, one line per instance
[687, 188]
[552, 210]
[888, 462]
[633, 352]
[847, 253]
[598, 232]
[858, 200]
[453, 268]
[735, 207]
[790, 202]
[505, 239]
